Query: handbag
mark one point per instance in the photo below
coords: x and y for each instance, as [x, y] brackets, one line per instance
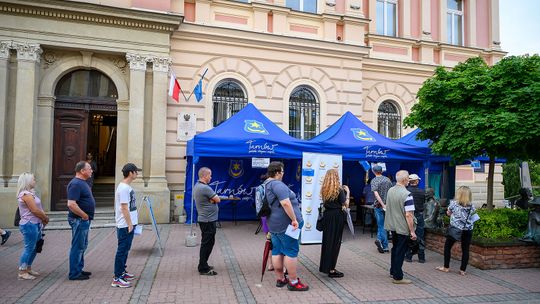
[320, 219]
[17, 218]
[455, 232]
[39, 244]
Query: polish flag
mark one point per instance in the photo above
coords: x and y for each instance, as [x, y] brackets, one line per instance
[174, 88]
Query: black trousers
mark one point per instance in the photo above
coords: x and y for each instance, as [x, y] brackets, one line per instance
[397, 254]
[208, 233]
[466, 237]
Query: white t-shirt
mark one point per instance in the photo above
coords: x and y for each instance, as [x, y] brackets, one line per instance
[125, 195]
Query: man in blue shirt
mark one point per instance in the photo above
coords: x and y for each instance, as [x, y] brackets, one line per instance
[81, 205]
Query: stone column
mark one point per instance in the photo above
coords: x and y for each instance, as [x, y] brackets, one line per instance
[202, 9]
[260, 18]
[372, 15]
[159, 120]
[44, 142]
[135, 132]
[24, 147]
[495, 41]
[470, 14]
[122, 143]
[426, 20]
[406, 19]
[5, 46]
[353, 8]
[443, 20]
[330, 26]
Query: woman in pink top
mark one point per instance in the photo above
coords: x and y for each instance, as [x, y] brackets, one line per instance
[33, 218]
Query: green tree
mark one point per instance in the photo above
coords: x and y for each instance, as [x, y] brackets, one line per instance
[475, 109]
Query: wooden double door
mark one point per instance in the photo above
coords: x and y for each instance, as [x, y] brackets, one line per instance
[76, 125]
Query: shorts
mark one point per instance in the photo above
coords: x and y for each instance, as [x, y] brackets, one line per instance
[283, 244]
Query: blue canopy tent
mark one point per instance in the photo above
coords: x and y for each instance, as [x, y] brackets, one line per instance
[355, 141]
[228, 148]
[439, 164]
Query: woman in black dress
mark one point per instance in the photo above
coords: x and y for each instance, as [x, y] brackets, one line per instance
[335, 198]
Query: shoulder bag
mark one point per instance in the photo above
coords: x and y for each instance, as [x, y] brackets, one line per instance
[454, 232]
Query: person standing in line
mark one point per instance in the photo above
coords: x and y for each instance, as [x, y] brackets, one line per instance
[419, 197]
[81, 205]
[400, 222]
[335, 198]
[126, 216]
[285, 211]
[460, 211]
[93, 164]
[380, 185]
[206, 201]
[31, 224]
[5, 235]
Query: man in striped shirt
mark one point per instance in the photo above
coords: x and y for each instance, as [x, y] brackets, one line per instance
[399, 221]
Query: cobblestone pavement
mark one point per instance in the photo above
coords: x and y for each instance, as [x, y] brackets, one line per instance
[237, 256]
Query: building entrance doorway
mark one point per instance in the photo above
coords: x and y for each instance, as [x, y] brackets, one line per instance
[85, 121]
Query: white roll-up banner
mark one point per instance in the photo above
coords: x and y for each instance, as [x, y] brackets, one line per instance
[314, 167]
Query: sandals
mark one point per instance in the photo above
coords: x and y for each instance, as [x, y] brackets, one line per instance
[442, 269]
[270, 269]
[463, 273]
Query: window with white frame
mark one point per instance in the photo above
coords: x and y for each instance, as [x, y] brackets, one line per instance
[308, 6]
[303, 113]
[389, 120]
[229, 98]
[454, 21]
[387, 17]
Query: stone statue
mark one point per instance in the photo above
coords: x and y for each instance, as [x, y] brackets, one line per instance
[431, 210]
[533, 228]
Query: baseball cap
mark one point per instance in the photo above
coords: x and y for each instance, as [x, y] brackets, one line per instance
[377, 168]
[130, 167]
[414, 177]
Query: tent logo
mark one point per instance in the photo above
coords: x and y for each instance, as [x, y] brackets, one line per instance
[236, 168]
[253, 126]
[362, 134]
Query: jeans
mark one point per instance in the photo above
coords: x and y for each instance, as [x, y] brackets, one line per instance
[79, 242]
[125, 239]
[420, 236]
[208, 233]
[31, 234]
[381, 233]
[466, 237]
[399, 248]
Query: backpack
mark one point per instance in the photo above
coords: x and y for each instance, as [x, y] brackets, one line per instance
[261, 202]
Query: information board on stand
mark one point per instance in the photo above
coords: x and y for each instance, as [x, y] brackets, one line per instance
[314, 167]
[148, 201]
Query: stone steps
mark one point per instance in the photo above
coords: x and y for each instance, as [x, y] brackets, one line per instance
[103, 218]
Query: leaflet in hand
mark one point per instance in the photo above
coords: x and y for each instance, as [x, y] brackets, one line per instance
[138, 229]
[294, 233]
[475, 217]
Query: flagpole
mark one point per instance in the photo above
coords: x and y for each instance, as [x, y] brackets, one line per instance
[192, 91]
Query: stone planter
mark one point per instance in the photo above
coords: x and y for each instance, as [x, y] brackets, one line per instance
[483, 255]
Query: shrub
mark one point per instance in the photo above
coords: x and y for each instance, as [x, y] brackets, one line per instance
[500, 224]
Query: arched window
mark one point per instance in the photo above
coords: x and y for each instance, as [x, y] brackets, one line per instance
[303, 113]
[389, 120]
[89, 84]
[229, 98]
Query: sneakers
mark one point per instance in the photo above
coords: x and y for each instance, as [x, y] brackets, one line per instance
[281, 283]
[402, 281]
[128, 276]
[81, 277]
[5, 237]
[24, 275]
[379, 246]
[299, 286]
[120, 283]
[86, 273]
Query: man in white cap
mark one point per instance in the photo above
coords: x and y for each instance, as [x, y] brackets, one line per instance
[419, 197]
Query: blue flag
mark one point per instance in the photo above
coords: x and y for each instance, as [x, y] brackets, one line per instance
[198, 91]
